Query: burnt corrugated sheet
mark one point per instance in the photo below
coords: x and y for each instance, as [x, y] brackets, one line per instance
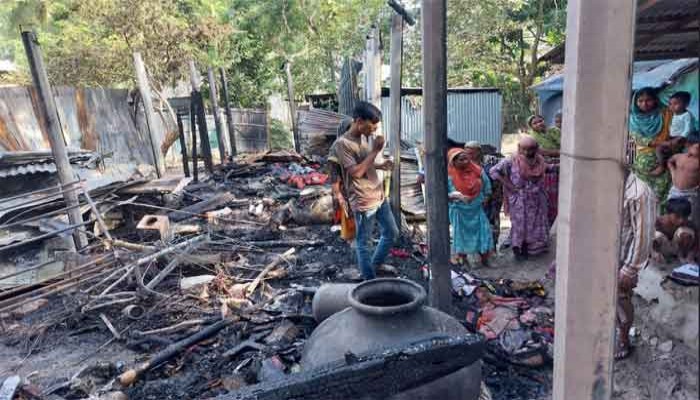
[91, 118]
[317, 130]
[471, 115]
[250, 129]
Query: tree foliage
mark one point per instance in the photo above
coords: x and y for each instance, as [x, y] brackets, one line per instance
[90, 42]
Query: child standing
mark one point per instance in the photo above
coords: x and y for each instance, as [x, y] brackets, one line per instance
[685, 173]
[682, 125]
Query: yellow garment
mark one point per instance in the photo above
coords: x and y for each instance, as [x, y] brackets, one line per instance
[664, 134]
[347, 227]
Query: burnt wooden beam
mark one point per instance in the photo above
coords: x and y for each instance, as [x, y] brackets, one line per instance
[183, 145]
[667, 18]
[203, 206]
[229, 113]
[677, 24]
[434, 25]
[396, 47]
[49, 117]
[398, 7]
[379, 374]
[193, 133]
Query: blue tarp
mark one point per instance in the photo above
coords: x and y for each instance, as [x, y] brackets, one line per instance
[672, 75]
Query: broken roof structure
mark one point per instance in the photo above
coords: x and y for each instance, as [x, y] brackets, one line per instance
[665, 30]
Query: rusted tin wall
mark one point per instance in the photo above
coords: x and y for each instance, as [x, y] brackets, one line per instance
[95, 119]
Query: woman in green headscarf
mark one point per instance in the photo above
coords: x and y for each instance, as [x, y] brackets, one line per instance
[649, 127]
[548, 139]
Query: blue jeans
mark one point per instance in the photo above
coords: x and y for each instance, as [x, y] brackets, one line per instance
[364, 222]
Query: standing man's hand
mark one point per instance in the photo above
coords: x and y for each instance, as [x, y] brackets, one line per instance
[387, 165]
[378, 144]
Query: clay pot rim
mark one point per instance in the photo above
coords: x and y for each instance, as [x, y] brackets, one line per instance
[409, 288]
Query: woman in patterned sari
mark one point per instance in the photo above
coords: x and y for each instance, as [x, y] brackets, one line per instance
[549, 140]
[649, 125]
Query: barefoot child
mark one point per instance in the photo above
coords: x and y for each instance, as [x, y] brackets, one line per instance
[682, 125]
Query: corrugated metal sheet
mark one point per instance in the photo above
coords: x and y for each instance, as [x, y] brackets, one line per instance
[317, 130]
[27, 169]
[95, 119]
[473, 115]
[665, 29]
[250, 127]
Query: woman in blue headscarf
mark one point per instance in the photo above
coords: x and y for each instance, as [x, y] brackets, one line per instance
[649, 125]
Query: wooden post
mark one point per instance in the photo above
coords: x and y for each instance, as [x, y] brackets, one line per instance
[373, 69]
[395, 112]
[217, 117]
[145, 90]
[435, 128]
[183, 145]
[201, 117]
[229, 114]
[292, 105]
[193, 134]
[47, 107]
[599, 49]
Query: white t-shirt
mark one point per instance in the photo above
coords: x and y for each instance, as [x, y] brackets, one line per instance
[682, 125]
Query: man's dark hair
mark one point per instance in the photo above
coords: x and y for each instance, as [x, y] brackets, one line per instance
[367, 111]
[344, 126]
[679, 207]
[682, 96]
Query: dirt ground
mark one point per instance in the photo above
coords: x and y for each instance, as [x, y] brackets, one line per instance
[650, 373]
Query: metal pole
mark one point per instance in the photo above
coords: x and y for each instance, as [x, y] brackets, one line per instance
[395, 112]
[145, 90]
[435, 128]
[183, 145]
[193, 133]
[47, 107]
[599, 50]
[201, 117]
[292, 105]
[229, 114]
[217, 117]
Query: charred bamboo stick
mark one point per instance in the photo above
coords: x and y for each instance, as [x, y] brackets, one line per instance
[254, 285]
[172, 328]
[130, 376]
[191, 245]
[109, 325]
[132, 246]
[286, 243]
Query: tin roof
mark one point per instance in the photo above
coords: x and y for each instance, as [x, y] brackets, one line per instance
[665, 29]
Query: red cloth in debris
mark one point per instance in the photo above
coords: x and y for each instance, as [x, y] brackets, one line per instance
[498, 313]
[399, 253]
[300, 181]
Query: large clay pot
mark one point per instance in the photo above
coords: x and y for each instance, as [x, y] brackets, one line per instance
[384, 313]
[331, 298]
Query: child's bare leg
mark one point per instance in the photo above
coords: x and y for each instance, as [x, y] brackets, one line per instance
[661, 160]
